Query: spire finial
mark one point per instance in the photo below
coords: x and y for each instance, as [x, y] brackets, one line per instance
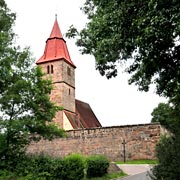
[56, 16]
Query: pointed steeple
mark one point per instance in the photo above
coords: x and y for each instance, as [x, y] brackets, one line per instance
[56, 48]
[56, 32]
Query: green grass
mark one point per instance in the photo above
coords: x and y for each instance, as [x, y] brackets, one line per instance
[109, 176]
[144, 161]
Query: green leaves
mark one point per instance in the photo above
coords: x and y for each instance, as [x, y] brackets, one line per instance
[162, 113]
[145, 31]
[25, 107]
[168, 156]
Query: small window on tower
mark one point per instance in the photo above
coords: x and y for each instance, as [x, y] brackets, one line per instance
[69, 71]
[52, 70]
[48, 69]
[69, 91]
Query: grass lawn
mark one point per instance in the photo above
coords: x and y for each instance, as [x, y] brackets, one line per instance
[145, 161]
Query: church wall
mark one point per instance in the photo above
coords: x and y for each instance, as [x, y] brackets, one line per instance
[68, 74]
[68, 97]
[140, 142]
[58, 119]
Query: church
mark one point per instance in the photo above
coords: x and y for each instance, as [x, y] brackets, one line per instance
[56, 64]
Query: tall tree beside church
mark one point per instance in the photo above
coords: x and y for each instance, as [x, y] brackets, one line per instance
[25, 107]
[145, 32]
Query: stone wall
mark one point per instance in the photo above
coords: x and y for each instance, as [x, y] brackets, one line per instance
[140, 142]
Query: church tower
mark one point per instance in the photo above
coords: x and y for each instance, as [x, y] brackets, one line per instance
[57, 65]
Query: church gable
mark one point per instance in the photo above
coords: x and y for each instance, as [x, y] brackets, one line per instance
[86, 115]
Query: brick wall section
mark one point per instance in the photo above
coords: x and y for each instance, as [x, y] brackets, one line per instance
[140, 142]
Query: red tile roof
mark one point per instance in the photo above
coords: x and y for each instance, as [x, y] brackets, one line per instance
[73, 119]
[56, 48]
[84, 117]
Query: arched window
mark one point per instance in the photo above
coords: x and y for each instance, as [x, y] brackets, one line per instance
[48, 69]
[69, 91]
[52, 70]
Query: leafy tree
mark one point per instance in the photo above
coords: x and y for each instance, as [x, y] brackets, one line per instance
[168, 156]
[145, 33]
[25, 108]
[162, 113]
[168, 116]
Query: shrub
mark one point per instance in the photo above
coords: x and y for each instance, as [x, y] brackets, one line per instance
[97, 166]
[74, 167]
[47, 168]
[4, 174]
[168, 155]
[40, 167]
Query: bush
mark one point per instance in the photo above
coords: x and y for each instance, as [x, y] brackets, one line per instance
[168, 155]
[74, 167]
[47, 168]
[97, 166]
[4, 174]
[40, 167]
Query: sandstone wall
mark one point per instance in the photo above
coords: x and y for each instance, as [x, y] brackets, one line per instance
[140, 142]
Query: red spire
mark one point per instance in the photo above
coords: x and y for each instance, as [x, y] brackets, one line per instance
[56, 32]
[56, 48]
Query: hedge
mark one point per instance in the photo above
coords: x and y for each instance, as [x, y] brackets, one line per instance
[71, 167]
[97, 166]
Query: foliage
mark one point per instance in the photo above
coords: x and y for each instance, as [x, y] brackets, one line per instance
[97, 166]
[168, 148]
[40, 167]
[6, 175]
[26, 111]
[168, 115]
[162, 113]
[48, 168]
[168, 155]
[74, 167]
[145, 32]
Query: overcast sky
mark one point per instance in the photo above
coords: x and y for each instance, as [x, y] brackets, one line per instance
[113, 101]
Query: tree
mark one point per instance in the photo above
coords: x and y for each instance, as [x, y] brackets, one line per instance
[145, 33]
[26, 111]
[162, 113]
[168, 159]
[167, 115]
